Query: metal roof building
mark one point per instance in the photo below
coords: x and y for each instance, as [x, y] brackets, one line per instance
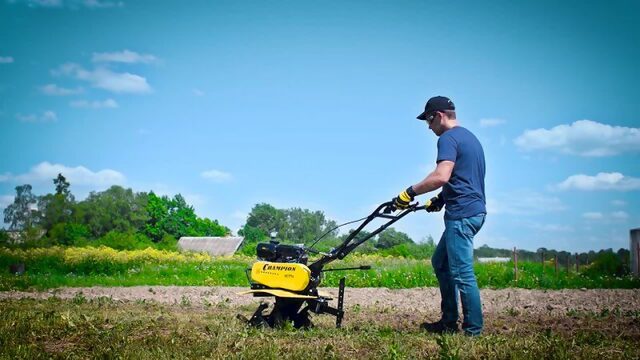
[215, 246]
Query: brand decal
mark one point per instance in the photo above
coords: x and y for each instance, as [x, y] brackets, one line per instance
[268, 267]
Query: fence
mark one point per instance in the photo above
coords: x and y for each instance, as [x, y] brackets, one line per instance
[556, 262]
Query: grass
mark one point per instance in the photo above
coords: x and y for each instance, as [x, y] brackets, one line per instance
[80, 267]
[104, 328]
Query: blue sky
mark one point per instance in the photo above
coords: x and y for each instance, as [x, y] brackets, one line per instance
[313, 105]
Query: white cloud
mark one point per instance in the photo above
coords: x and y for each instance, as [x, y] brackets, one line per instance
[125, 56]
[108, 103]
[523, 202]
[5, 177]
[593, 215]
[77, 176]
[73, 4]
[198, 92]
[95, 4]
[6, 59]
[491, 122]
[619, 203]
[44, 3]
[106, 79]
[620, 215]
[616, 215]
[216, 175]
[55, 90]
[550, 227]
[583, 138]
[49, 116]
[602, 181]
[46, 116]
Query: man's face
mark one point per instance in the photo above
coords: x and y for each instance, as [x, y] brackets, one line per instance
[434, 121]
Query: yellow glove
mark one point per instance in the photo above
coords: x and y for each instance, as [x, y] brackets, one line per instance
[402, 201]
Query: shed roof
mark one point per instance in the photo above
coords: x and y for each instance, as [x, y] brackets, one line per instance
[216, 246]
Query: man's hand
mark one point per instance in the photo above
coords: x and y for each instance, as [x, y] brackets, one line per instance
[402, 201]
[435, 204]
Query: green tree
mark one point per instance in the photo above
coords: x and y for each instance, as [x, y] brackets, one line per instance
[157, 210]
[56, 208]
[391, 237]
[68, 233]
[174, 217]
[267, 218]
[208, 227]
[180, 218]
[115, 209]
[292, 225]
[21, 215]
[252, 236]
[304, 226]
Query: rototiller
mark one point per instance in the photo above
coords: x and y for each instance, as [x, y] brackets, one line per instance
[281, 271]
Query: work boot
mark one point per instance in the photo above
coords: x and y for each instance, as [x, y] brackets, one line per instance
[439, 327]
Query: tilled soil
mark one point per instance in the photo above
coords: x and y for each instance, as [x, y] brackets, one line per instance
[406, 300]
[610, 313]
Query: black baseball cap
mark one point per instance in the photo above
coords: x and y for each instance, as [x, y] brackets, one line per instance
[436, 103]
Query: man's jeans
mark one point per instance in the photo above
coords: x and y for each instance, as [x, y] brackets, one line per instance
[453, 265]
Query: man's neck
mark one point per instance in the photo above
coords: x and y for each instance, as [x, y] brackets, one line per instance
[450, 124]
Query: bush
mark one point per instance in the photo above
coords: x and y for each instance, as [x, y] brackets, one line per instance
[409, 250]
[31, 238]
[124, 241]
[68, 233]
[606, 263]
[168, 243]
[5, 240]
[252, 236]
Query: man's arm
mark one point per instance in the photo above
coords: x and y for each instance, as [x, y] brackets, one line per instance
[436, 179]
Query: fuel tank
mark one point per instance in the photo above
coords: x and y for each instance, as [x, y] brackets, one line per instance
[288, 276]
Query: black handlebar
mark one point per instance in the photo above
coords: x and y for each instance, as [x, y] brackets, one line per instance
[348, 246]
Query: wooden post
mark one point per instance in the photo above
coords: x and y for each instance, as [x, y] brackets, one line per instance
[515, 263]
[577, 263]
[556, 261]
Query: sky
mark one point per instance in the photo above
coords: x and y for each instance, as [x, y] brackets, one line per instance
[312, 104]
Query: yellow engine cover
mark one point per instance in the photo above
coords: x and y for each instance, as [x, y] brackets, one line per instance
[289, 276]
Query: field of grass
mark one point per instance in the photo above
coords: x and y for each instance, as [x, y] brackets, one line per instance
[78, 267]
[104, 328]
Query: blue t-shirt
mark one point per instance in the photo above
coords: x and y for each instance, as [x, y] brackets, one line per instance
[464, 193]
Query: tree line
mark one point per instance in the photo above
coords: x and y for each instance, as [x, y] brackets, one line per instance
[124, 219]
[116, 217]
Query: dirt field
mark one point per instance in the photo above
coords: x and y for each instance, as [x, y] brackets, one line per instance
[505, 310]
[418, 299]
[195, 322]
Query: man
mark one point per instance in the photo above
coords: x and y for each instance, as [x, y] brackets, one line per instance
[460, 172]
